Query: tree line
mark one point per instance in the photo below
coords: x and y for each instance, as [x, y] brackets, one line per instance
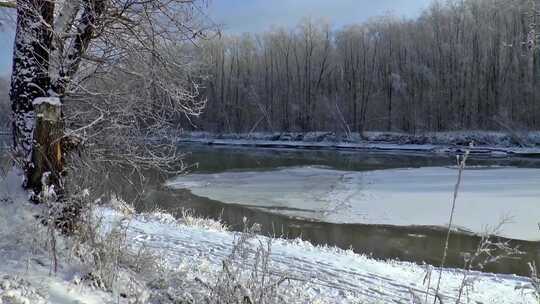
[462, 64]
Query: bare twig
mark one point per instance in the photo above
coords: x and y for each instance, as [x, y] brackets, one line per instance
[461, 167]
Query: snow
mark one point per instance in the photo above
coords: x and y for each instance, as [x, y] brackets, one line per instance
[65, 12]
[490, 144]
[26, 274]
[53, 101]
[401, 197]
[331, 275]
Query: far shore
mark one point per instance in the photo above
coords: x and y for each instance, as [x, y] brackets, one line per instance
[478, 143]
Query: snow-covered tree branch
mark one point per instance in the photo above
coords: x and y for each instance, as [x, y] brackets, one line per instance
[70, 52]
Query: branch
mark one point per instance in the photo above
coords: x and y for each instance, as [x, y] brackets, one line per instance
[93, 10]
[8, 4]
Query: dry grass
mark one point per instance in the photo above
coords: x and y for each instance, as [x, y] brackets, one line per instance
[489, 250]
[246, 276]
[534, 285]
[535, 280]
[189, 219]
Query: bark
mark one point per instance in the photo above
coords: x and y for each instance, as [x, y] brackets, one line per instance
[30, 78]
[85, 32]
[36, 138]
[536, 57]
[48, 153]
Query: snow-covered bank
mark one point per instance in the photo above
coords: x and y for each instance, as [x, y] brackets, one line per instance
[400, 197]
[27, 273]
[491, 144]
[325, 275]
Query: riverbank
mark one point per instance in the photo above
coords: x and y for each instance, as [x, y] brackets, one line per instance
[318, 274]
[487, 144]
[191, 254]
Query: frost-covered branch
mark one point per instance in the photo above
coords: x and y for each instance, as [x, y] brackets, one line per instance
[113, 67]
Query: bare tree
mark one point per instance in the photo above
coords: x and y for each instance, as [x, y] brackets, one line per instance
[66, 53]
[462, 64]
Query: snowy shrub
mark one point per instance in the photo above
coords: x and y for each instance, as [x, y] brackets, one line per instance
[189, 219]
[108, 260]
[246, 277]
[534, 285]
[490, 250]
[17, 290]
[535, 280]
[159, 216]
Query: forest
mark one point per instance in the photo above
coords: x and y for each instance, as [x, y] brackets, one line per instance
[463, 64]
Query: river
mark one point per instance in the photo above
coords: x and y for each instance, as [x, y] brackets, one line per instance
[270, 187]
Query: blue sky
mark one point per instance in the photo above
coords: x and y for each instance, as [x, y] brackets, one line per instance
[258, 15]
[6, 47]
[239, 16]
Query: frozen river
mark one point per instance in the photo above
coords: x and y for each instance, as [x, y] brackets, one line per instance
[399, 197]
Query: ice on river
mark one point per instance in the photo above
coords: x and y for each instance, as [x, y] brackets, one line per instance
[401, 197]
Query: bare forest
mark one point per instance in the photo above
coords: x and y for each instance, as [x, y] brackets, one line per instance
[461, 65]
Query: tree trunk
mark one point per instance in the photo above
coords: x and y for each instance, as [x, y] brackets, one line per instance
[48, 154]
[536, 59]
[30, 78]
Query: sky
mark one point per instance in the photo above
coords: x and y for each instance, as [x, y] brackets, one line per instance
[238, 16]
[6, 48]
[258, 15]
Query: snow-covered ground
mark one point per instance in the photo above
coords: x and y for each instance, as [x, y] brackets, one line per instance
[400, 197]
[327, 275]
[26, 265]
[491, 144]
